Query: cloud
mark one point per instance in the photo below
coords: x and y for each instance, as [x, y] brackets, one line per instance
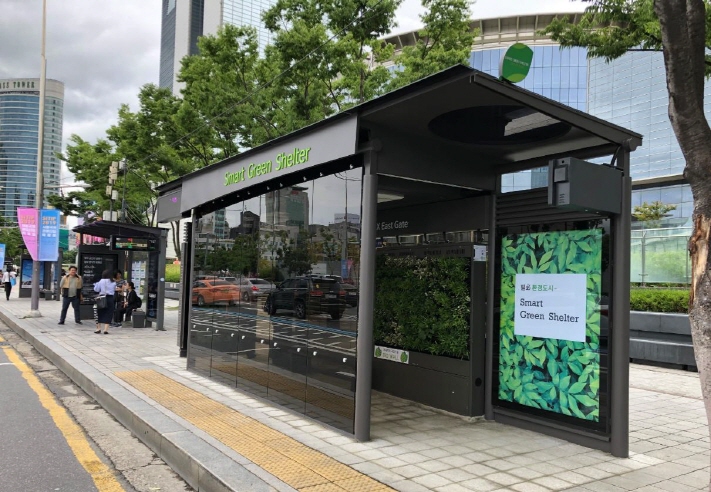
[103, 52]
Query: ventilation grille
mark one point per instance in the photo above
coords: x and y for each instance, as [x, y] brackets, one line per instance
[531, 207]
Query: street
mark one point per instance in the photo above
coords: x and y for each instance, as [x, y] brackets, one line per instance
[54, 436]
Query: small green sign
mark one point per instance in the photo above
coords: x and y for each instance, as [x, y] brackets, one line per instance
[516, 63]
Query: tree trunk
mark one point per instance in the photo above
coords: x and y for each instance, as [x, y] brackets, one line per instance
[175, 230]
[683, 38]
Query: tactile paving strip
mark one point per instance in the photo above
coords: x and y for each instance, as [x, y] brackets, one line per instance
[295, 464]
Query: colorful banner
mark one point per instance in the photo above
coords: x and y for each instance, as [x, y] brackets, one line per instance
[27, 218]
[48, 249]
[2, 256]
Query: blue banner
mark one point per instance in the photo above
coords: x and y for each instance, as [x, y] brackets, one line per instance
[48, 235]
[2, 256]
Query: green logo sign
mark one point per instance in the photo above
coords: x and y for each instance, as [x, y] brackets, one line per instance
[283, 161]
[516, 63]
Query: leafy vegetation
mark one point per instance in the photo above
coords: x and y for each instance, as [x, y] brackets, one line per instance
[423, 304]
[660, 300]
[652, 213]
[560, 376]
[172, 273]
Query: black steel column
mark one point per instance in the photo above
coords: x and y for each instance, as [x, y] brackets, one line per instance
[366, 298]
[620, 310]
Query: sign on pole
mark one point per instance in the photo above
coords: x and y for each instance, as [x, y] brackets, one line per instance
[48, 249]
[27, 218]
[2, 256]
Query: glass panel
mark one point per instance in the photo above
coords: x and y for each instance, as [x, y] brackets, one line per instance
[333, 299]
[201, 327]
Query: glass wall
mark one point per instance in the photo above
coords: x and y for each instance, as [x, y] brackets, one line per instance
[275, 296]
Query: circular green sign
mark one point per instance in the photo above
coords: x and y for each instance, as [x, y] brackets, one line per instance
[516, 63]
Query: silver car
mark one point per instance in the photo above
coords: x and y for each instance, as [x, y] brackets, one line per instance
[253, 288]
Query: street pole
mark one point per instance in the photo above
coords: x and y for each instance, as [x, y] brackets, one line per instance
[34, 299]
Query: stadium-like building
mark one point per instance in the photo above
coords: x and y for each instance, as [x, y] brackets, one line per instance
[631, 92]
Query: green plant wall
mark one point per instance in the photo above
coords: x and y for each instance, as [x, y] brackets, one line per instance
[423, 304]
[560, 376]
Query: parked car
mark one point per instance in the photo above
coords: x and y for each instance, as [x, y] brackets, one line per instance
[307, 295]
[252, 288]
[214, 291]
[351, 294]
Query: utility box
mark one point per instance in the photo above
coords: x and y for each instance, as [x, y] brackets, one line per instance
[574, 184]
[139, 319]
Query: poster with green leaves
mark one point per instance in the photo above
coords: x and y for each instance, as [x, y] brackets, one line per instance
[559, 372]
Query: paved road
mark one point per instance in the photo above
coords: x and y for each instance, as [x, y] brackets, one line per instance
[34, 454]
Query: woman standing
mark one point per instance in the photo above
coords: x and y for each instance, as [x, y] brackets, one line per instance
[105, 287]
[8, 277]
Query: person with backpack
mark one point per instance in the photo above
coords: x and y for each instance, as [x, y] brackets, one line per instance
[132, 301]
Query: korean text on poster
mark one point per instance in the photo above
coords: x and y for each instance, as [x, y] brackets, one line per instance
[551, 305]
[27, 218]
[48, 249]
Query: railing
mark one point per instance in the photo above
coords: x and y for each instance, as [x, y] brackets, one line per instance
[660, 256]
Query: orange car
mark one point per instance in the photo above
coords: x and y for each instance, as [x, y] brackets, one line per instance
[214, 291]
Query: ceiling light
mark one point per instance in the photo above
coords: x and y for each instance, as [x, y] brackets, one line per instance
[389, 197]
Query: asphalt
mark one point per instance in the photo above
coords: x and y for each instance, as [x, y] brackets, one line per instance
[33, 457]
[219, 438]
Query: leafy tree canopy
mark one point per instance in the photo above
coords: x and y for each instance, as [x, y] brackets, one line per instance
[611, 28]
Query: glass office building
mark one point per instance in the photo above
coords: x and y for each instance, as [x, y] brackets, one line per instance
[184, 21]
[248, 13]
[19, 123]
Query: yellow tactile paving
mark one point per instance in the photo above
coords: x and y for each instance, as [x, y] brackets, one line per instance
[297, 465]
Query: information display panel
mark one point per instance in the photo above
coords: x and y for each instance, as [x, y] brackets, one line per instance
[550, 345]
[134, 243]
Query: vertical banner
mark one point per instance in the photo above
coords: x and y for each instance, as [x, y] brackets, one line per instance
[48, 249]
[2, 256]
[27, 218]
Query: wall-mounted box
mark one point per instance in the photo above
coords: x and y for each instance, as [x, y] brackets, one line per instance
[579, 185]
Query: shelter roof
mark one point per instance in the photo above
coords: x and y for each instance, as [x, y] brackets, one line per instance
[107, 228]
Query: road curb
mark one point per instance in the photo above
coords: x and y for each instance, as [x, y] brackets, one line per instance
[200, 464]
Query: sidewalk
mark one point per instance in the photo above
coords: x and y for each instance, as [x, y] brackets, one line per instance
[221, 439]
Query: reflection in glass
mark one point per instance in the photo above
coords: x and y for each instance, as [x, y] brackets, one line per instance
[275, 296]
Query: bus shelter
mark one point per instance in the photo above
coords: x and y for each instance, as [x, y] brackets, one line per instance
[136, 250]
[396, 256]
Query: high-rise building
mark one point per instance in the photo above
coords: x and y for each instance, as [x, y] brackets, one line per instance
[19, 125]
[184, 21]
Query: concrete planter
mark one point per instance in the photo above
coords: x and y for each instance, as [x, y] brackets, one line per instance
[661, 337]
[440, 382]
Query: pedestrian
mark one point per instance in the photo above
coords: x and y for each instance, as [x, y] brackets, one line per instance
[8, 280]
[119, 298]
[70, 287]
[132, 302]
[105, 287]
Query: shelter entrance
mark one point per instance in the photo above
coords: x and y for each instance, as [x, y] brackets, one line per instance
[430, 294]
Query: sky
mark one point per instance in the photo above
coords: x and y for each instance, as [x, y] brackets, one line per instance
[105, 50]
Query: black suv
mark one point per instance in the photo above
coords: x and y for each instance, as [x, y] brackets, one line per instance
[304, 296]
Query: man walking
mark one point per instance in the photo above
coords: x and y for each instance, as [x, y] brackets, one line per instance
[70, 287]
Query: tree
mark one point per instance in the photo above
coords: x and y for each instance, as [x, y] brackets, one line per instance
[680, 31]
[69, 256]
[325, 49]
[445, 40]
[652, 213]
